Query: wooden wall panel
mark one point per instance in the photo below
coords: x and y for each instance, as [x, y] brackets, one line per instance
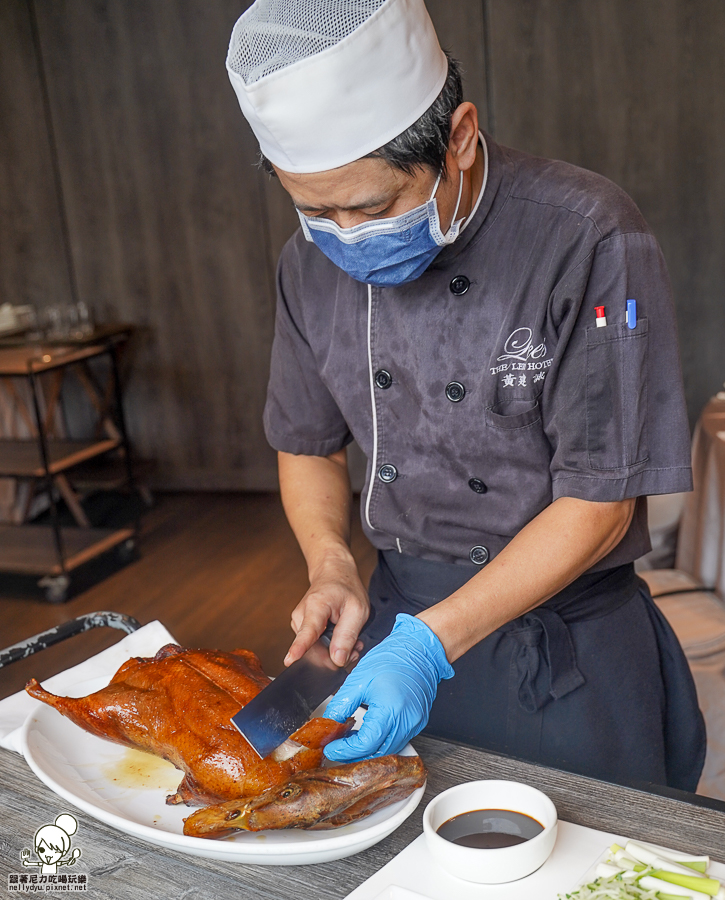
[460, 28]
[171, 226]
[634, 89]
[33, 262]
[167, 223]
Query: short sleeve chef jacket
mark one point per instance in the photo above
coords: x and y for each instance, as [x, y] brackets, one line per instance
[484, 390]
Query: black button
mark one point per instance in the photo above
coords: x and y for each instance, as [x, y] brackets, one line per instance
[475, 484]
[383, 379]
[478, 556]
[455, 391]
[387, 473]
[460, 285]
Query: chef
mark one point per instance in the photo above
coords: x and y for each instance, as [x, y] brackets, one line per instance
[496, 331]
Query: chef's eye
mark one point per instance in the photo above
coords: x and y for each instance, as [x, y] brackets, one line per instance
[287, 792]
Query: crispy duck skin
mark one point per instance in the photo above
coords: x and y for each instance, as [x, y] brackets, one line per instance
[316, 800]
[178, 705]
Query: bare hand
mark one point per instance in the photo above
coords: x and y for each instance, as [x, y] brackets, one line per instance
[336, 595]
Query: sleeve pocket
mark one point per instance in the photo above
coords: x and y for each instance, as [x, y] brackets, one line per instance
[513, 414]
[616, 395]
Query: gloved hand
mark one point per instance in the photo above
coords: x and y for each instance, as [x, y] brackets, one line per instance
[398, 681]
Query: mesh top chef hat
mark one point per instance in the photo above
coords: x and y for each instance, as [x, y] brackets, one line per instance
[325, 82]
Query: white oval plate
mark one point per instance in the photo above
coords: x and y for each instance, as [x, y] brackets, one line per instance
[80, 768]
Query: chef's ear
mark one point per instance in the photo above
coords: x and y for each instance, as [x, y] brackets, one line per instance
[463, 142]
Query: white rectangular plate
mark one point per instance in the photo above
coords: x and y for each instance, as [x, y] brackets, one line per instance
[412, 875]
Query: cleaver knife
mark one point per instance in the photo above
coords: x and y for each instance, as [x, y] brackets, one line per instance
[287, 703]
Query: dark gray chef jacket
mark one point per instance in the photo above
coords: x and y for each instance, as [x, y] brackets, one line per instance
[484, 389]
[480, 393]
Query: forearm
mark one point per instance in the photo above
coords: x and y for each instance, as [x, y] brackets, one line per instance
[316, 497]
[562, 542]
[317, 500]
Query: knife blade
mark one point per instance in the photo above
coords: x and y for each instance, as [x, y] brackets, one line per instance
[288, 702]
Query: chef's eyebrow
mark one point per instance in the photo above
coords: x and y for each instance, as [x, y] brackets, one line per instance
[368, 204]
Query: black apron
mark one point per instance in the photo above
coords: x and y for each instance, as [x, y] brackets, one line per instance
[593, 681]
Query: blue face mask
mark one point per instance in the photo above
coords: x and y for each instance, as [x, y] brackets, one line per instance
[389, 251]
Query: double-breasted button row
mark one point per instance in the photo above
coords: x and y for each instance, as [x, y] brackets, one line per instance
[388, 473]
[455, 391]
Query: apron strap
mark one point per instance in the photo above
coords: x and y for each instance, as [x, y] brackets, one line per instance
[545, 661]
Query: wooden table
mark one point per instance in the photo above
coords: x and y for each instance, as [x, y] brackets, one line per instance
[128, 869]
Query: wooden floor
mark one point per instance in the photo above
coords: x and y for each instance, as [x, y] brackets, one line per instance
[218, 570]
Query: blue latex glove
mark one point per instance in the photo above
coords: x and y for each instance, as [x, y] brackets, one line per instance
[398, 681]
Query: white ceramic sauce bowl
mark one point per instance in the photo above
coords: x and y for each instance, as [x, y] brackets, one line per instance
[490, 866]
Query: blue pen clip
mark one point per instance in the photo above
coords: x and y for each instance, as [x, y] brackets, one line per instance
[631, 314]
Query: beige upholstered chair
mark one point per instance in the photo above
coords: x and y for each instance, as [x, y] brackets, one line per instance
[692, 595]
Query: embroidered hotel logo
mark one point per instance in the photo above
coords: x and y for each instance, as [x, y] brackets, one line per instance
[520, 346]
[53, 860]
[523, 357]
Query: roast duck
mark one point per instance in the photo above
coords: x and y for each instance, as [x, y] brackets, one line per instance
[178, 705]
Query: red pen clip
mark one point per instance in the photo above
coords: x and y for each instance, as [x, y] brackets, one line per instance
[601, 318]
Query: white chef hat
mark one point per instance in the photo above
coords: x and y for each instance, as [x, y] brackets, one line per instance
[325, 82]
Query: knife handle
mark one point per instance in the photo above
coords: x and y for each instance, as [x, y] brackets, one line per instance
[326, 635]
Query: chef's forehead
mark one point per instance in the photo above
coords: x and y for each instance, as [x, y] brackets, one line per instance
[363, 184]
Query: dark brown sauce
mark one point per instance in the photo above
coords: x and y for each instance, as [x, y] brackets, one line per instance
[489, 829]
